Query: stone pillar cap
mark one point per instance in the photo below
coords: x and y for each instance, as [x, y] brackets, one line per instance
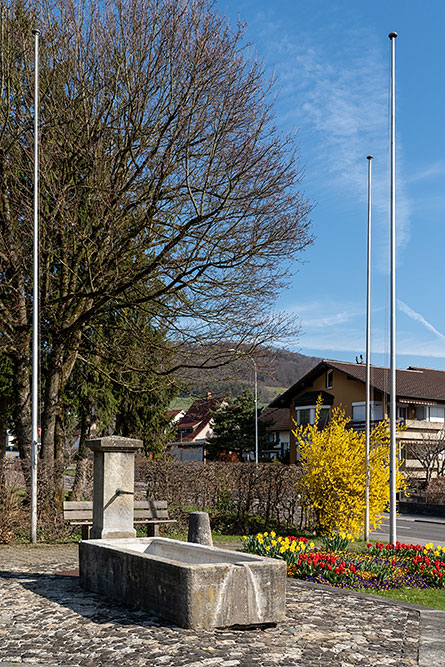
[114, 443]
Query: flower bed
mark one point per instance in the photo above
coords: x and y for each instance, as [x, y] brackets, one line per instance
[381, 567]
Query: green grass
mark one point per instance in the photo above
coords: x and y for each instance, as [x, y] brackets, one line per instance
[227, 539]
[182, 535]
[181, 403]
[427, 597]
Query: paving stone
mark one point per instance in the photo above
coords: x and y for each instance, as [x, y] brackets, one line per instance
[46, 619]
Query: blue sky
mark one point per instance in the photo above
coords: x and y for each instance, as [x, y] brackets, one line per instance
[331, 60]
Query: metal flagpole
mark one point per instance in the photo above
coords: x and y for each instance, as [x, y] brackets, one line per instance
[393, 414]
[256, 409]
[35, 303]
[368, 337]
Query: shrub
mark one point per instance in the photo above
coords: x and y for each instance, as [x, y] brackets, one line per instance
[12, 514]
[333, 473]
[15, 503]
[234, 493]
[436, 490]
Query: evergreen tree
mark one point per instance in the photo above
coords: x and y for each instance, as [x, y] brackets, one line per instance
[234, 428]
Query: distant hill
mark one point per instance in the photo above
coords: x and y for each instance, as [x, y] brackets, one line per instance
[287, 368]
[277, 370]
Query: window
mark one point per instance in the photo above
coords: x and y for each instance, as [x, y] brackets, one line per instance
[436, 413]
[325, 413]
[430, 413]
[420, 412]
[402, 412]
[359, 411]
[306, 415]
[329, 379]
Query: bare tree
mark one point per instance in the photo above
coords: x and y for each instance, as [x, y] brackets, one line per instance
[430, 452]
[166, 190]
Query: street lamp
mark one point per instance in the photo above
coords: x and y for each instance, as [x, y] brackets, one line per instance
[255, 398]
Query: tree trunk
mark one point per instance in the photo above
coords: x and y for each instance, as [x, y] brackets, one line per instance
[3, 429]
[60, 366]
[51, 407]
[22, 412]
[81, 476]
[22, 404]
[59, 467]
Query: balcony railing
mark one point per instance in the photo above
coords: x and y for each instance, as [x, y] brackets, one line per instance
[360, 425]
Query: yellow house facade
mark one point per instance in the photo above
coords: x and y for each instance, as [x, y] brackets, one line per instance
[420, 400]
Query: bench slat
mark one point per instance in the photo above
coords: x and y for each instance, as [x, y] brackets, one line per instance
[80, 523]
[151, 504]
[145, 504]
[138, 504]
[150, 514]
[153, 521]
[78, 505]
[73, 515]
[76, 515]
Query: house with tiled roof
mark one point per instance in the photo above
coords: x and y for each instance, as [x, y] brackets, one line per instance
[420, 400]
[278, 428]
[194, 428]
[175, 415]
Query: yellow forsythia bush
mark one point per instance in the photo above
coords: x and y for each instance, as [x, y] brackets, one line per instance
[333, 478]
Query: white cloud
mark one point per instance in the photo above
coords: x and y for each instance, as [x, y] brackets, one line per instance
[417, 317]
[434, 170]
[330, 327]
[318, 314]
[339, 101]
[326, 321]
[353, 341]
[349, 340]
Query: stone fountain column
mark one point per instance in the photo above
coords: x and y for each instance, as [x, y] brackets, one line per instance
[113, 486]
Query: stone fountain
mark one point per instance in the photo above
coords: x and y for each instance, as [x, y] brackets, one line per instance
[190, 585]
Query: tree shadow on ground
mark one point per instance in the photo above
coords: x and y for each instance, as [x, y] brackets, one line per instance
[64, 590]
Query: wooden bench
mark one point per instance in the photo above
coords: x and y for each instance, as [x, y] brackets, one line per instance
[153, 513]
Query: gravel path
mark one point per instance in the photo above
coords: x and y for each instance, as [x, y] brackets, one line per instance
[46, 619]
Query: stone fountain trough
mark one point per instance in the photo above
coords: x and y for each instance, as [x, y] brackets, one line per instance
[190, 585]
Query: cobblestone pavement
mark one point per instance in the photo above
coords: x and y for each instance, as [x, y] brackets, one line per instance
[46, 619]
